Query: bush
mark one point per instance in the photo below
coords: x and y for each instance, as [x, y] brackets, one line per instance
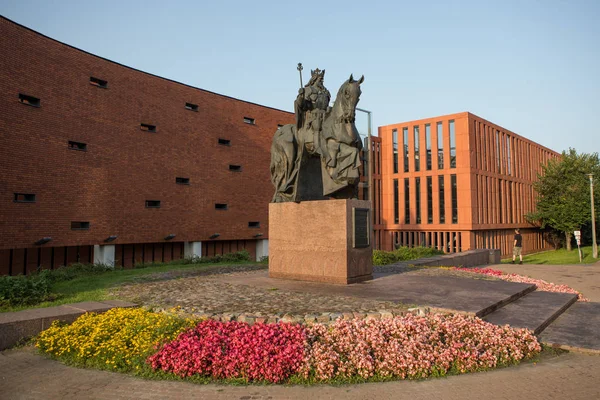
[119, 339]
[403, 253]
[24, 290]
[70, 272]
[238, 256]
[413, 347]
[261, 352]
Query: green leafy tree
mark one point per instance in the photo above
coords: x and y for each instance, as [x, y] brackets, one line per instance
[564, 192]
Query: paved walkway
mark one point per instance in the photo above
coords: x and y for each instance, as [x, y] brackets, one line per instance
[579, 327]
[582, 277]
[25, 375]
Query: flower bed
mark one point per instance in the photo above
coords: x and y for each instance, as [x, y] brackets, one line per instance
[402, 347]
[119, 339]
[541, 284]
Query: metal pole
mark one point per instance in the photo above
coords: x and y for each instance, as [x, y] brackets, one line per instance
[594, 244]
[370, 171]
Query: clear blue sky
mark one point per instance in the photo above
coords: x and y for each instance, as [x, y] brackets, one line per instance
[529, 66]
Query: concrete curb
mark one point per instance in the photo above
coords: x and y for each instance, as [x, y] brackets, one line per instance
[19, 325]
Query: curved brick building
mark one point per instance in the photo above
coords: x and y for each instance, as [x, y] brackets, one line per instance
[91, 149]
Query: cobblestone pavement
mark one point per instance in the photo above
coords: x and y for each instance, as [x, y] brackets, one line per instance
[203, 293]
[200, 295]
[572, 376]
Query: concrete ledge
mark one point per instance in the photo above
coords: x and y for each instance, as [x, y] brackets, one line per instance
[16, 326]
[470, 258]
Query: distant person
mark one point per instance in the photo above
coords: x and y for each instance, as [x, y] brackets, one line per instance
[518, 246]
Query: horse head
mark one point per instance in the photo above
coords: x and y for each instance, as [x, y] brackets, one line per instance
[348, 97]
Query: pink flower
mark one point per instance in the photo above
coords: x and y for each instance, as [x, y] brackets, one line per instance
[540, 284]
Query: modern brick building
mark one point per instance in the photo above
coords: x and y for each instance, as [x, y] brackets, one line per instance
[100, 162]
[107, 161]
[458, 182]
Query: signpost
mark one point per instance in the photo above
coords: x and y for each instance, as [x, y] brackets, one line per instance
[578, 239]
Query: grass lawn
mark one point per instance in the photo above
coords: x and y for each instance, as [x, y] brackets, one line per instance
[96, 287]
[557, 257]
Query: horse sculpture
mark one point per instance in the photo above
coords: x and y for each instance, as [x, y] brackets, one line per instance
[310, 163]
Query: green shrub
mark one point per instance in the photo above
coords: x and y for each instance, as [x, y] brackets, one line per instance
[76, 270]
[24, 290]
[238, 256]
[403, 253]
[381, 257]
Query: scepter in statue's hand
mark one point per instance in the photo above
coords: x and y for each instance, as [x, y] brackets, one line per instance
[300, 68]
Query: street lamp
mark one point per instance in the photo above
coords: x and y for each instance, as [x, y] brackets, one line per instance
[369, 150]
[594, 245]
[370, 170]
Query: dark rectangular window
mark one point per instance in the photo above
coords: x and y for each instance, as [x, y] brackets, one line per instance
[395, 149]
[418, 199]
[182, 181]
[417, 158]
[452, 144]
[500, 214]
[406, 201]
[249, 120]
[429, 200]
[191, 107]
[510, 203]
[224, 142]
[98, 82]
[77, 146]
[440, 142]
[498, 163]
[405, 143]
[148, 127]
[29, 100]
[454, 199]
[24, 198]
[508, 157]
[254, 224]
[396, 205]
[80, 225]
[235, 168]
[428, 146]
[152, 203]
[442, 198]
[220, 206]
[484, 149]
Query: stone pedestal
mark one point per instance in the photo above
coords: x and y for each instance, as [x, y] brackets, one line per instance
[321, 241]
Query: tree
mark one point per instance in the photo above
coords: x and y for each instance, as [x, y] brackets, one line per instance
[563, 190]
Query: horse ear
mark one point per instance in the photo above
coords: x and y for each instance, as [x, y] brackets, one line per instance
[351, 79]
[361, 80]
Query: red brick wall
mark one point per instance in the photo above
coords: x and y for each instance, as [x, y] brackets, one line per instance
[123, 166]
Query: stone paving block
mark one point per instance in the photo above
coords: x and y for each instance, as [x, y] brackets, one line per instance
[577, 329]
[533, 311]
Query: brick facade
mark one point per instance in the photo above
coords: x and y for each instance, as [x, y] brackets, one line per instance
[123, 165]
[491, 170]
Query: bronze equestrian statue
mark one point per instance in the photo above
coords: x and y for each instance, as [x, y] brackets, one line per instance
[318, 157]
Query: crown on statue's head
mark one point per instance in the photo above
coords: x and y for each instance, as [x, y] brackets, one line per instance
[317, 72]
